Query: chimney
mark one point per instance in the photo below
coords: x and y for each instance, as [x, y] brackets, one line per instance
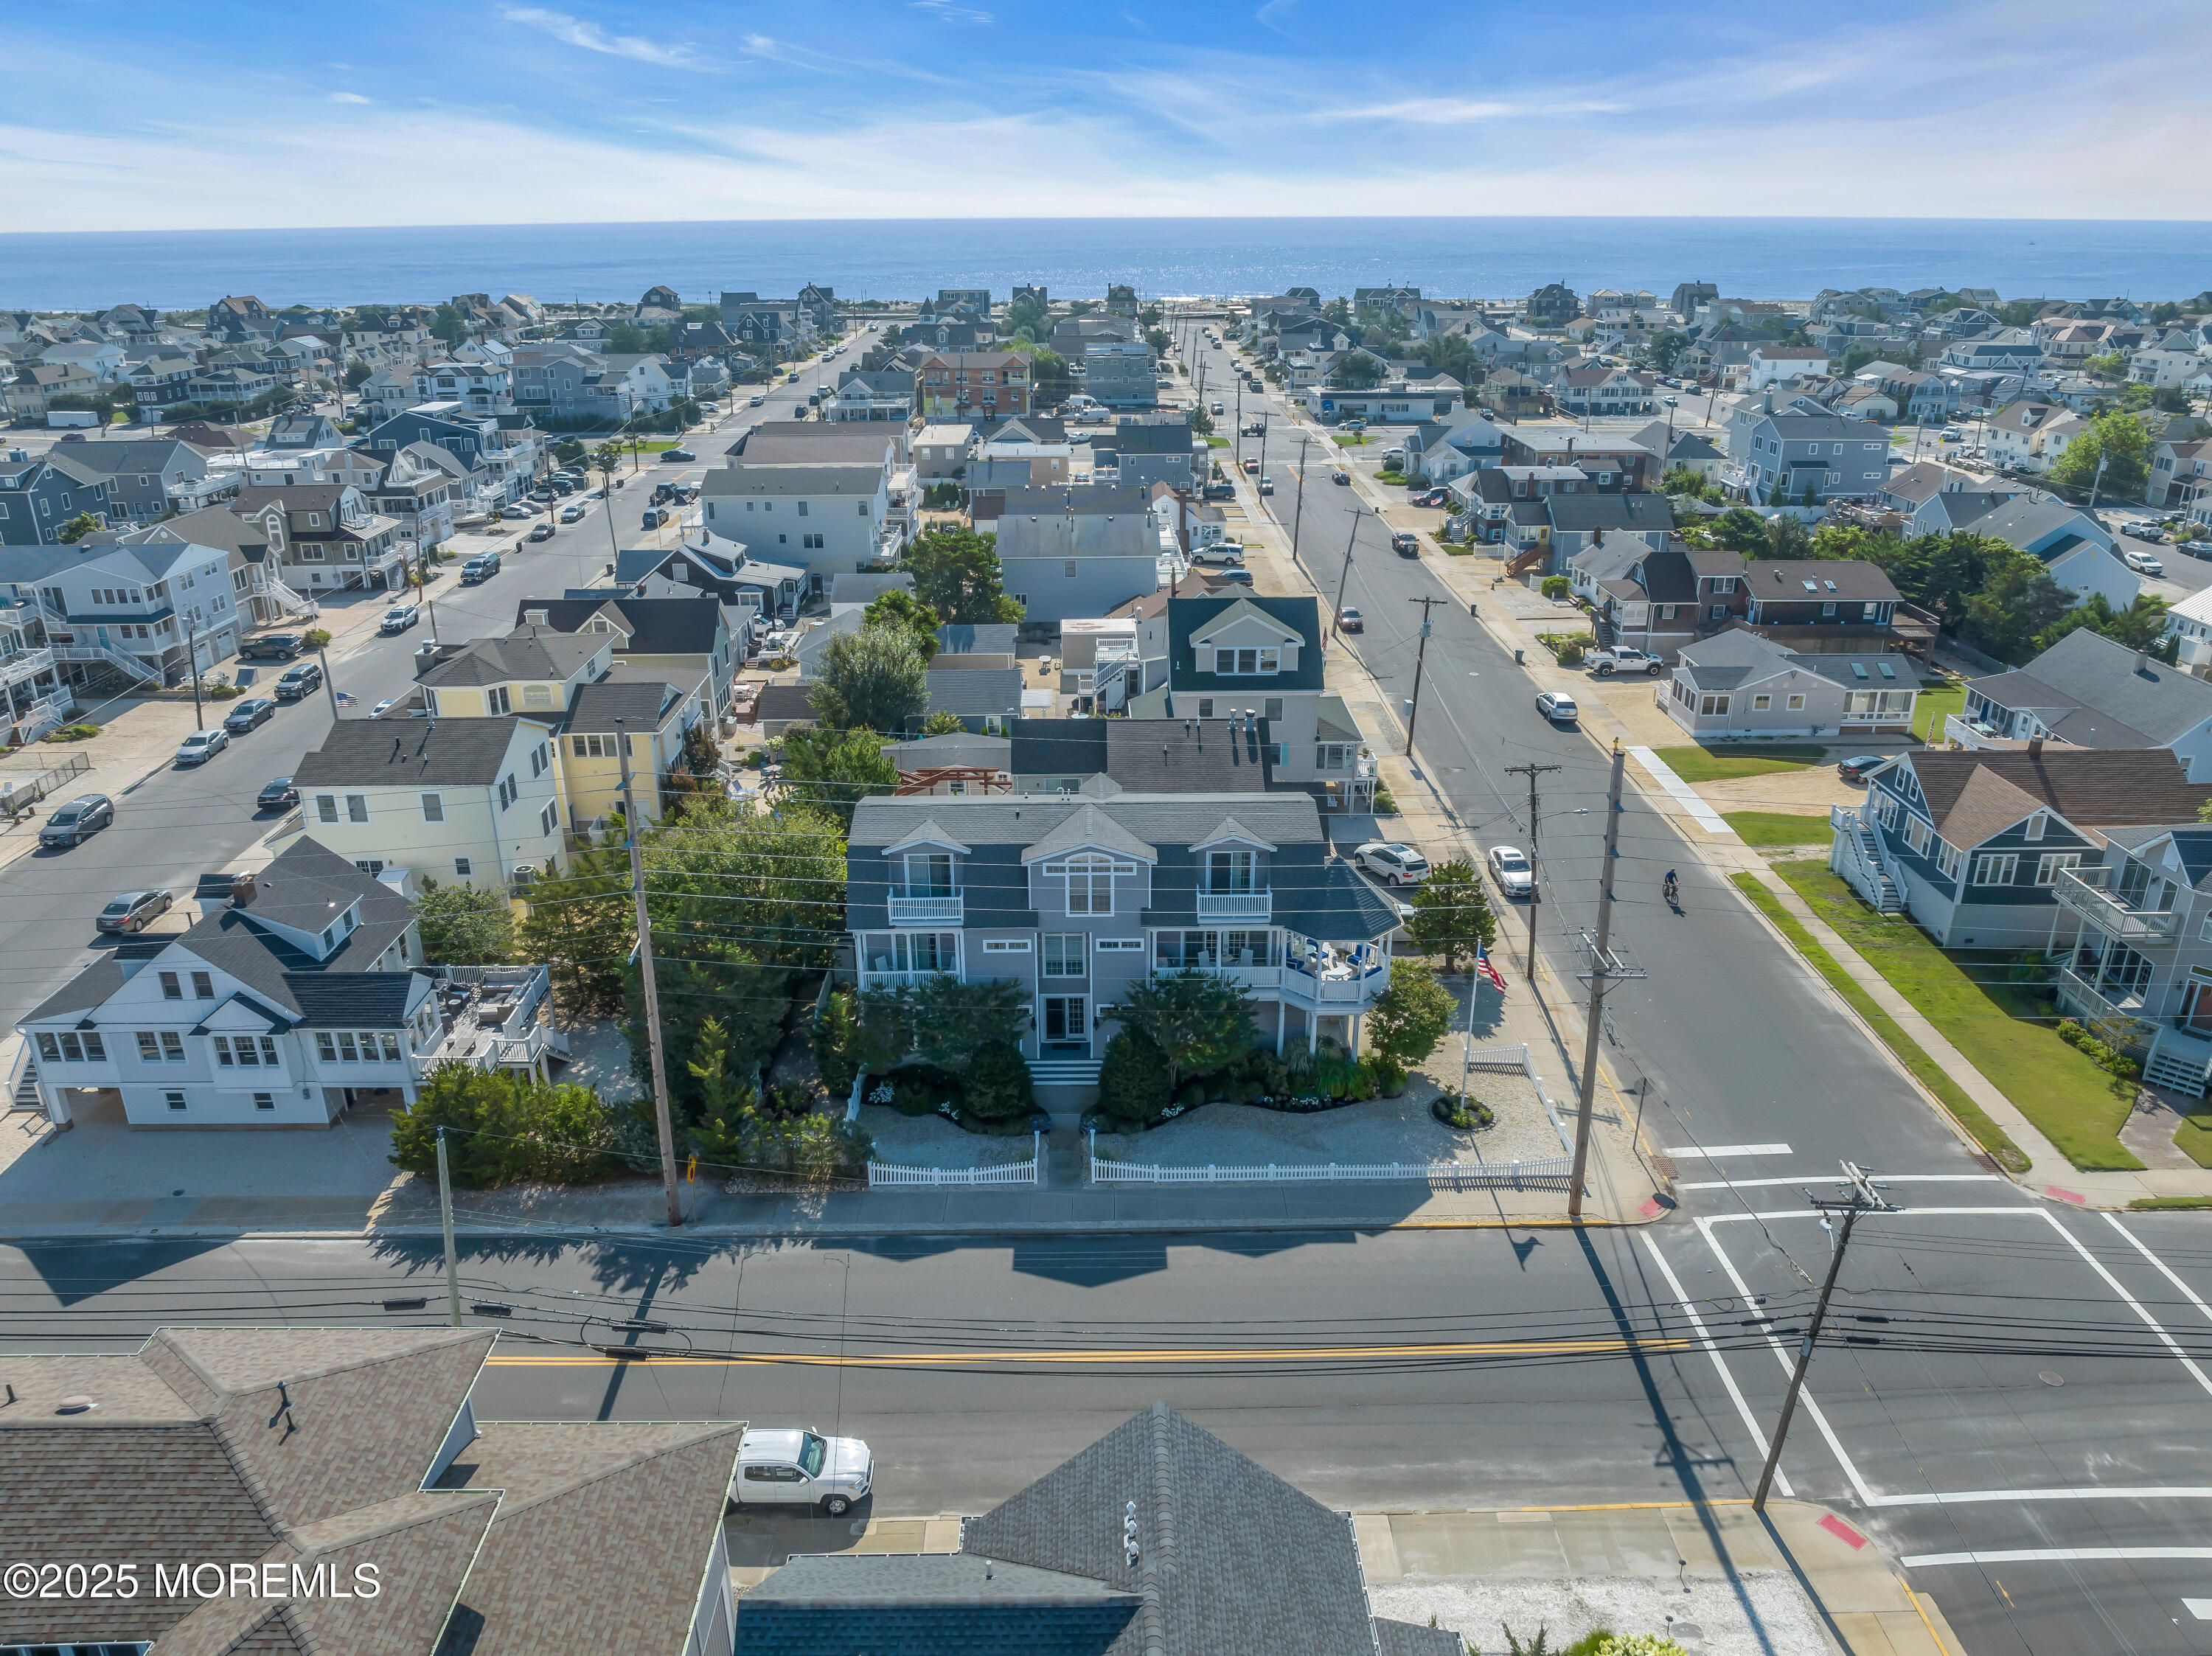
[241, 890]
[534, 617]
[2035, 747]
[2143, 663]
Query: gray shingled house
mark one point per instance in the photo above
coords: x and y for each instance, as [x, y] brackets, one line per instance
[1159, 1538]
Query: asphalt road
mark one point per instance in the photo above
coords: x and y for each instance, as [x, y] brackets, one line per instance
[173, 825]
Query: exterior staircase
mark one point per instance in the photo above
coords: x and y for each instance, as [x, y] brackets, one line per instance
[25, 1093]
[1065, 1071]
[128, 665]
[1522, 562]
[2179, 1065]
[291, 602]
[1857, 856]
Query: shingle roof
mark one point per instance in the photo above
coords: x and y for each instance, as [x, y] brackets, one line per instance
[977, 641]
[425, 753]
[1729, 659]
[943, 1605]
[2093, 692]
[657, 626]
[645, 702]
[1971, 795]
[975, 691]
[525, 653]
[1849, 582]
[1583, 512]
[1188, 616]
[959, 748]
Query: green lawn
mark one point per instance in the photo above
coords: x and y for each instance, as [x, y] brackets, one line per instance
[1216, 442]
[1970, 1115]
[1776, 828]
[2194, 1138]
[1357, 440]
[2078, 1106]
[1701, 764]
[1933, 708]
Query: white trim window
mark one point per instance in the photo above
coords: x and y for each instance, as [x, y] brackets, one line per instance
[2048, 864]
[1917, 832]
[1090, 879]
[1949, 858]
[1997, 868]
[1247, 662]
[1712, 707]
[1064, 954]
[1006, 945]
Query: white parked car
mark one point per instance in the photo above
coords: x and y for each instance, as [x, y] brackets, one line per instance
[1558, 706]
[1219, 552]
[1511, 868]
[1392, 863]
[801, 1469]
[2144, 563]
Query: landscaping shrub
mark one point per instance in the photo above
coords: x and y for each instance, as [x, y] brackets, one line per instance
[998, 1086]
[2099, 1053]
[71, 733]
[1476, 1117]
[316, 638]
[835, 1040]
[919, 1089]
[1132, 1082]
[223, 692]
[1556, 587]
[504, 1130]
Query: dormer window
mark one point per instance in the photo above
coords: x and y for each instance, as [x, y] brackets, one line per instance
[929, 874]
[1090, 879]
[1243, 661]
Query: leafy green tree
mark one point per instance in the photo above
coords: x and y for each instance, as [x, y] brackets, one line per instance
[77, 528]
[2020, 312]
[502, 1129]
[1661, 350]
[2118, 440]
[2111, 366]
[1198, 1020]
[1160, 340]
[1356, 371]
[1451, 913]
[904, 612]
[1152, 315]
[1049, 378]
[2141, 626]
[1338, 311]
[1201, 423]
[999, 1086]
[2018, 601]
[955, 572]
[1788, 538]
[464, 925]
[874, 679]
[1030, 316]
[833, 770]
[1741, 530]
[1134, 1079]
[448, 325]
[1410, 1017]
[582, 925]
[943, 724]
[954, 1019]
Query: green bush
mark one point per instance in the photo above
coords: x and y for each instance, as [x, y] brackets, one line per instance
[316, 638]
[2101, 1053]
[1132, 1082]
[1556, 587]
[71, 733]
[921, 1089]
[504, 1130]
[835, 1040]
[998, 1087]
[223, 692]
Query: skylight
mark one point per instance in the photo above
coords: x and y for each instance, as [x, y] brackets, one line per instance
[1858, 670]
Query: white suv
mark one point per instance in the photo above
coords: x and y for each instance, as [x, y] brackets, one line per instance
[1619, 659]
[1391, 863]
[801, 1469]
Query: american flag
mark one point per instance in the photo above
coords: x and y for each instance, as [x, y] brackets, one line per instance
[1485, 965]
[345, 701]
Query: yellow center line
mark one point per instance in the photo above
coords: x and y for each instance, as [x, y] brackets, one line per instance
[1172, 1354]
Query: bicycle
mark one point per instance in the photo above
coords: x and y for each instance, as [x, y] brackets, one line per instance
[1674, 892]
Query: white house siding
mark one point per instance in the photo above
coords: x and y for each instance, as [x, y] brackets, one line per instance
[495, 841]
[2090, 568]
[1066, 589]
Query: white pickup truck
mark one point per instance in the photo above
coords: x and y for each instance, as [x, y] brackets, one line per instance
[1619, 659]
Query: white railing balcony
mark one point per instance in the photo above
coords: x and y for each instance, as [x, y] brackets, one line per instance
[1236, 905]
[2087, 892]
[25, 665]
[927, 907]
[1972, 733]
[2079, 995]
[1354, 984]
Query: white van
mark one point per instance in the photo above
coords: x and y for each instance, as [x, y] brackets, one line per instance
[791, 1468]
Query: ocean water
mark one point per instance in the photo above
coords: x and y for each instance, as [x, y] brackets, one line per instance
[900, 258]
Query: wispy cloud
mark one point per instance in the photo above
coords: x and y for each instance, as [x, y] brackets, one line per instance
[1274, 14]
[577, 31]
[1460, 112]
[350, 98]
[949, 12]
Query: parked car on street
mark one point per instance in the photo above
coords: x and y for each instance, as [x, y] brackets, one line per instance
[1349, 619]
[202, 745]
[132, 911]
[1392, 863]
[1340, 475]
[1558, 706]
[271, 647]
[1861, 766]
[1619, 659]
[249, 714]
[2143, 531]
[1223, 552]
[653, 518]
[1252, 467]
[1511, 868]
[480, 568]
[754, 400]
[517, 514]
[1406, 545]
[1266, 485]
[2144, 563]
[679, 456]
[543, 532]
[275, 794]
[78, 820]
[801, 1469]
[571, 514]
[398, 618]
[1238, 574]
[303, 679]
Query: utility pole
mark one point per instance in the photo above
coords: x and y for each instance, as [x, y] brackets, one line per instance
[330, 689]
[1860, 1196]
[1602, 971]
[1421, 656]
[193, 666]
[2098, 481]
[647, 984]
[445, 1220]
[1298, 513]
[1535, 891]
[1346, 574]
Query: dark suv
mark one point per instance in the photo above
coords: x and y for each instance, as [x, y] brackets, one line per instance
[271, 647]
[299, 682]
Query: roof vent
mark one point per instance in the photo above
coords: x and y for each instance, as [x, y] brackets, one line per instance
[1129, 1548]
[80, 1405]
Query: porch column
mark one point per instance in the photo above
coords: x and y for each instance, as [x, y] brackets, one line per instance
[1282, 1022]
[1313, 1030]
[56, 1099]
[1355, 1034]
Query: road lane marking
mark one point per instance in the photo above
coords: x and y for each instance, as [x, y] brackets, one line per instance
[2114, 1492]
[1887, 1179]
[1693, 1152]
[2164, 1269]
[1812, 1405]
[2200, 1608]
[1681, 1298]
[2050, 1555]
[2130, 1300]
[598, 1359]
[1683, 794]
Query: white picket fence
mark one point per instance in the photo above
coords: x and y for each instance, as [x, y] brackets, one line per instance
[883, 1176]
[1551, 1171]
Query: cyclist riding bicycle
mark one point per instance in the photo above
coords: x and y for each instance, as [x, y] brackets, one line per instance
[1672, 887]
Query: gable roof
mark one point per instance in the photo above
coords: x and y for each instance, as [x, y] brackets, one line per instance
[975, 691]
[527, 653]
[1972, 795]
[1301, 616]
[410, 753]
[2092, 692]
[1730, 659]
[655, 627]
[2029, 523]
[1850, 581]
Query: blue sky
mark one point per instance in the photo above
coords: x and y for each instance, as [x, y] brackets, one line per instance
[169, 116]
